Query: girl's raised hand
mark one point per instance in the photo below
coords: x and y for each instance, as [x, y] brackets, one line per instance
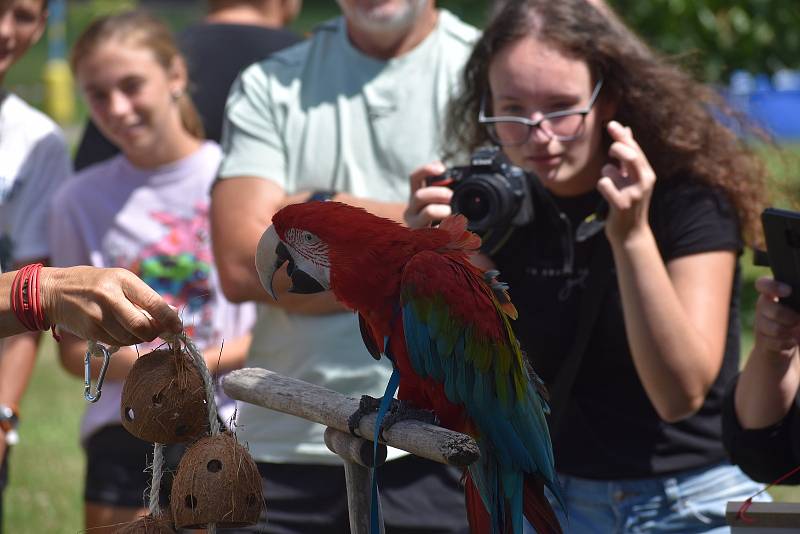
[627, 187]
[777, 327]
[427, 204]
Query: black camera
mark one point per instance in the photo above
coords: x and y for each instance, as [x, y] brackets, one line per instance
[493, 194]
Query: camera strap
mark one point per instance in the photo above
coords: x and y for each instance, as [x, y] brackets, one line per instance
[492, 241]
[597, 283]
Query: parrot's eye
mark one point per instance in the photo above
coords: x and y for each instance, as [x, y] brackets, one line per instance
[303, 239]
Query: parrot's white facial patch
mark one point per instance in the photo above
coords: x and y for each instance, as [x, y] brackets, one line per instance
[310, 255]
[305, 256]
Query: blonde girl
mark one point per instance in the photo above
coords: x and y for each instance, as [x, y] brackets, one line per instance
[144, 210]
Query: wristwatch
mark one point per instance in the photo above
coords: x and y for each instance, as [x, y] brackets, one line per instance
[321, 195]
[8, 423]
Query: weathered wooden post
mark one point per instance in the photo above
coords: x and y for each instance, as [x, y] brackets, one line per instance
[321, 405]
[358, 457]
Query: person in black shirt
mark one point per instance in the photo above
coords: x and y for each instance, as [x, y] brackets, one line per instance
[234, 34]
[611, 132]
[761, 423]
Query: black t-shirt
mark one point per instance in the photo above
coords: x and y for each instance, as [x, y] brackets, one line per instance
[765, 454]
[610, 429]
[215, 54]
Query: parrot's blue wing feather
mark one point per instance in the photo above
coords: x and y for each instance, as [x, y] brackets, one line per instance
[458, 334]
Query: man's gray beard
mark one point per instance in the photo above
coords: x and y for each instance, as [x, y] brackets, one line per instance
[403, 20]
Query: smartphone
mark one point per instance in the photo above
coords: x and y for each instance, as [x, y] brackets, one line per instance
[782, 233]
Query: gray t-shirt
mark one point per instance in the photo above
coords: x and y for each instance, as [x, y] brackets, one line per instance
[322, 115]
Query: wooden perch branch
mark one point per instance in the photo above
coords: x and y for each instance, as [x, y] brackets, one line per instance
[321, 405]
[354, 449]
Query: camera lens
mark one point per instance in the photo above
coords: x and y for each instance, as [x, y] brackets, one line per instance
[484, 201]
[474, 203]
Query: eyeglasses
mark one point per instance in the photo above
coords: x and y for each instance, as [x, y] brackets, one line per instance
[562, 125]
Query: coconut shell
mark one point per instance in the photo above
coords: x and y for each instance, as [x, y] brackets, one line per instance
[148, 525]
[163, 399]
[217, 482]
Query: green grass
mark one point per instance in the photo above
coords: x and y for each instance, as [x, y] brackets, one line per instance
[47, 467]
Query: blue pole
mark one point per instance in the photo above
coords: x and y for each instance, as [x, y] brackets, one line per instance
[57, 30]
[59, 93]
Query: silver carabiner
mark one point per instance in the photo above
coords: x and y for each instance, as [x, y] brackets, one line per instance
[87, 368]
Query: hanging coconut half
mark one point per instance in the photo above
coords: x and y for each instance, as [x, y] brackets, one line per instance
[217, 482]
[148, 525]
[163, 399]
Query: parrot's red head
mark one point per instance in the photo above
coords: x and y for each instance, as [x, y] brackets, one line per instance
[330, 245]
[318, 237]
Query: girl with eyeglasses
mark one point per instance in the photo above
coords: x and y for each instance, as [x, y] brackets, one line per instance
[609, 131]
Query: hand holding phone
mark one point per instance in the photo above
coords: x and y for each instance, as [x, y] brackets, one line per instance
[782, 234]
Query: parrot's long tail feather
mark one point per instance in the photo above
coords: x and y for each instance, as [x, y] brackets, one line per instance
[537, 508]
[478, 517]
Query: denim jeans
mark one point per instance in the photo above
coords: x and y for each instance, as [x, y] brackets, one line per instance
[686, 503]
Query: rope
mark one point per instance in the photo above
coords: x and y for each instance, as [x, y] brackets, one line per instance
[154, 507]
[208, 383]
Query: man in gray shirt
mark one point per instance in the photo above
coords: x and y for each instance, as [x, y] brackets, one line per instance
[346, 115]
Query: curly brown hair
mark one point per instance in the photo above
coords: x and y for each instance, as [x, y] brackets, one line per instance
[685, 128]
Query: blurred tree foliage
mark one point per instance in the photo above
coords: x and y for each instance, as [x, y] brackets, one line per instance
[473, 11]
[98, 8]
[724, 35]
[715, 37]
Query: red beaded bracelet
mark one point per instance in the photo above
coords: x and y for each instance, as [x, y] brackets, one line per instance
[25, 299]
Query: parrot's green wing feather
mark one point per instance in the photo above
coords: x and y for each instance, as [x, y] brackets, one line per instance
[458, 334]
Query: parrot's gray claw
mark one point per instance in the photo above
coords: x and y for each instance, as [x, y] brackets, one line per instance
[366, 406]
[405, 411]
[399, 410]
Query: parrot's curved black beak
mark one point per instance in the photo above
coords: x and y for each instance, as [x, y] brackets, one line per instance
[271, 254]
[302, 282]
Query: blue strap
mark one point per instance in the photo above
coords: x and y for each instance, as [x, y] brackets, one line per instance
[386, 401]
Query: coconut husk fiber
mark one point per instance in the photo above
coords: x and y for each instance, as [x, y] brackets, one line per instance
[163, 399]
[217, 482]
[148, 525]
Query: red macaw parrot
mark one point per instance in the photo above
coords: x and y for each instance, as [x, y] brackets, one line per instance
[448, 335]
